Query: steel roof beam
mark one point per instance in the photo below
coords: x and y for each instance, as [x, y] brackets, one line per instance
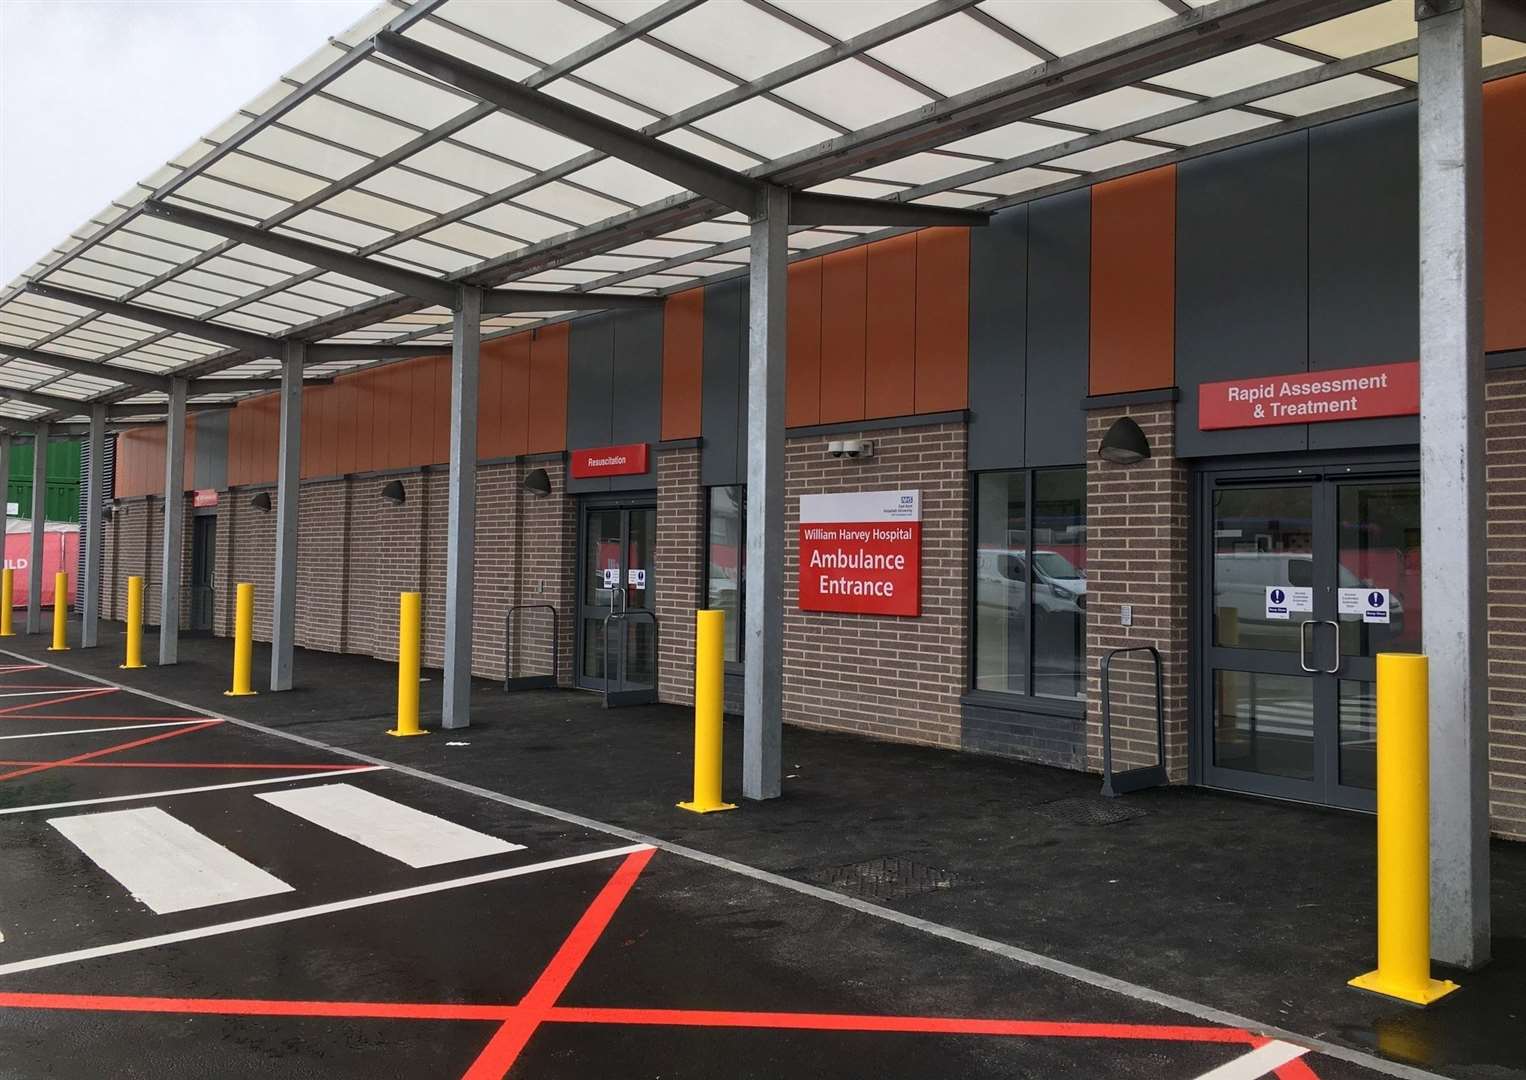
[508, 301]
[1507, 18]
[733, 190]
[72, 406]
[143, 380]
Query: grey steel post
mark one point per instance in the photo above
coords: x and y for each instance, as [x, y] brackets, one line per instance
[763, 672]
[174, 525]
[95, 479]
[1452, 476]
[39, 518]
[283, 622]
[461, 528]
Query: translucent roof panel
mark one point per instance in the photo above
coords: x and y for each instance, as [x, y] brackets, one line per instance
[879, 99]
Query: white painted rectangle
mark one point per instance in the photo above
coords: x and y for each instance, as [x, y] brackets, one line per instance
[165, 863]
[397, 831]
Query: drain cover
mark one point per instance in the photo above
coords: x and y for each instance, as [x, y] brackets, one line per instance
[1086, 811]
[888, 878]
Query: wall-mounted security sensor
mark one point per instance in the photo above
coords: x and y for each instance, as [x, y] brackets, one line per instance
[850, 448]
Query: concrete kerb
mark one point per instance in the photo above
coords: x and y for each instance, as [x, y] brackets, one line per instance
[1086, 976]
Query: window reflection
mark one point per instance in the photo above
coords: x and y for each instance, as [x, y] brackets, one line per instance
[1030, 613]
[726, 547]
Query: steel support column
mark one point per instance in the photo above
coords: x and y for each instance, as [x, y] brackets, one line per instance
[90, 587]
[461, 527]
[283, 623]
[174, 526]
[1452, 476]
[39, 519]
[763, 677]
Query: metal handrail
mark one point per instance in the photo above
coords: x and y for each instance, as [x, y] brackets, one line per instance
[530, 682]
[621, 616]
[1121, 783]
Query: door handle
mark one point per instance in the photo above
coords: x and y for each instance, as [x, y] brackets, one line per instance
[1303, 638]
[1333, 625]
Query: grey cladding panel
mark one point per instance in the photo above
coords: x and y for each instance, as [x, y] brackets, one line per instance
[1242, 290]
[211, 465]
[723, 457]
[998, 340]
[636, 385]
[1059, 327]
[1364, 259]
[590, 359]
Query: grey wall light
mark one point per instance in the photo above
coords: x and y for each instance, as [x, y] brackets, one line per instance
[537, 483]
[393, 492]
[1124, 443]
[261, 502]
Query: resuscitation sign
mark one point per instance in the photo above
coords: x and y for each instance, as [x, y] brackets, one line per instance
[1371, 604]
[1283, 600]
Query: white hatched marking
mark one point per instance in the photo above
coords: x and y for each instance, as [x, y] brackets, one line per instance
[164, 862]
[1260, 1061]
[397, 831]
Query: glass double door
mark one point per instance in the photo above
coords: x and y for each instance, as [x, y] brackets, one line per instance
[1308, 577]
[617, 637]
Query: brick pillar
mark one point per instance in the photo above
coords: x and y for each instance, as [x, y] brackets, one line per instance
[1136, 553]
[546, 570]
[1505, 463]
[679, 570]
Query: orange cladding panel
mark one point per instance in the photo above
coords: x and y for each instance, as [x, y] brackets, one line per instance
[345, 454]
[490, 400]
[548, 390]
[844, 312]
[943, 320]
[890, 381]
[683, 357]
[1505, 214]
[515, 398]
[802, 368]
[1133, 283]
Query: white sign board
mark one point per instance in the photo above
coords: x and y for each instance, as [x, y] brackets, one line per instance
[1370, 604]
[1284, 600]
[611, 577]
[636, 579]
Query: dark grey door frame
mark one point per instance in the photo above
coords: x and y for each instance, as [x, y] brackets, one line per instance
[589, 504]
[1323, 474]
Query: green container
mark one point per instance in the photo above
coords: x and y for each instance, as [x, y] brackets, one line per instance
[62, 497]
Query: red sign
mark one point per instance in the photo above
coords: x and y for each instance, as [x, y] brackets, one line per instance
[202, 497]
[627, 460]
[1358, 393]
[861, 552]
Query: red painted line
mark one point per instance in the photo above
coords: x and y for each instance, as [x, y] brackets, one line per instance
[82, 695]
[4, 686]
[1297, 1069]
[499, 1055]
[181, 765]
[384, 1010]
[108, 750]
[104, 716]
[916, 1025]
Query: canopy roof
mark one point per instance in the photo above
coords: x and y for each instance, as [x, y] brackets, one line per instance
[968, 104]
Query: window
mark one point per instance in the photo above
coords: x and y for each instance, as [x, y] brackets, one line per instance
[725, 548]
[1030, 583]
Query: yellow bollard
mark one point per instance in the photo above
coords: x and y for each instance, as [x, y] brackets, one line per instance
[60, 613]
[408, 666]
[1404, 840]
[709, 678]
[7, 601]
[134, 623]
[243, 641]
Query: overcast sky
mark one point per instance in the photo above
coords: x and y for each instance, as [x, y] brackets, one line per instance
[97, 94]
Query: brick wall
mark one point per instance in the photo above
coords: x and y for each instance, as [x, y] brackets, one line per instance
[894, 678]
[547, 558]
[679, 570]
[1137, 540]
[1505, 460]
